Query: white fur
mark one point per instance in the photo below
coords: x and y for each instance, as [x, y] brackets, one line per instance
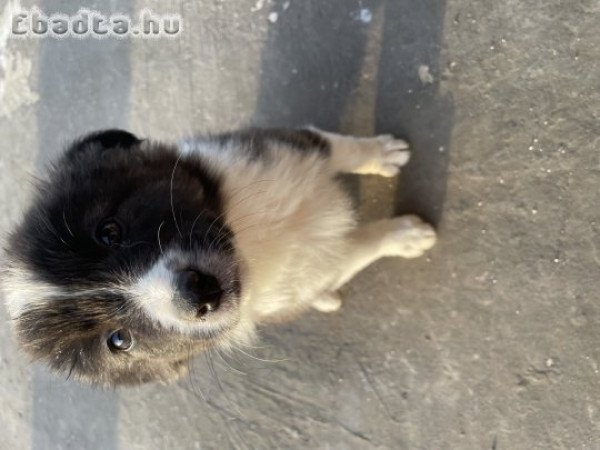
[154, 292]
[290, 221]
[21, 290]
[294, 227]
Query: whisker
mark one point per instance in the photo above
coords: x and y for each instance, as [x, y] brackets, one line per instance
[233, 369]
[212, 371]
[207, 233]
[133, 244]
[192, 229]
[259, 359]
[66, 224]
[190, 364]
[171, 194]
[158, 235]
[221, 237]
[223, 214]
[53, 230]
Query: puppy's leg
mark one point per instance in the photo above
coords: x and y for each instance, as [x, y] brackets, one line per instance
[404, 236]
[380, 155]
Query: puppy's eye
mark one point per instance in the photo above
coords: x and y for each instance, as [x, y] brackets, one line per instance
[109, 232]
[120, 340]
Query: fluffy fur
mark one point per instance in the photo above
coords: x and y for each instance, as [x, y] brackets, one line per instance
[257, 212]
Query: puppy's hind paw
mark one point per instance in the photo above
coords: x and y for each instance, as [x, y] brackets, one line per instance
[408, 237]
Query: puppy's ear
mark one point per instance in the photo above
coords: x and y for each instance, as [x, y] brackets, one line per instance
[100, 141]
[111, 138]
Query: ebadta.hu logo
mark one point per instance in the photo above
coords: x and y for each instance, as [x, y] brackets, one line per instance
[89, 23]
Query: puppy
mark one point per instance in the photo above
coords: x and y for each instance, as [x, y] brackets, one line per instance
[136, 254]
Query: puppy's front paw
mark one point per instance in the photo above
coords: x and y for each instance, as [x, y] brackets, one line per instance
[388, 155]
[408, 237]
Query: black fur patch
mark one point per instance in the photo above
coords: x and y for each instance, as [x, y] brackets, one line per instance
[57, 239]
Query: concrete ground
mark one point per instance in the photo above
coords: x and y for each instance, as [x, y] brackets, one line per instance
[490, 342]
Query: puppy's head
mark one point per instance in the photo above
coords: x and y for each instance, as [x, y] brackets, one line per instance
[123, 267]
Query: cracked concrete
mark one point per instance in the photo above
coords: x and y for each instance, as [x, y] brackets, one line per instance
[488, 342]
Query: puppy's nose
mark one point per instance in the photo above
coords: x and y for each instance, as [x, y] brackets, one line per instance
[200, 292]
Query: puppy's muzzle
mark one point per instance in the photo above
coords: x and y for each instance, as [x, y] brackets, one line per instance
[200, 294]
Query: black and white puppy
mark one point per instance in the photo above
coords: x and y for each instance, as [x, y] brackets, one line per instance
[137, 254]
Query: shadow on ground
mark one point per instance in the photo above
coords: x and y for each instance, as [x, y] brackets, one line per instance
[311, 67]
